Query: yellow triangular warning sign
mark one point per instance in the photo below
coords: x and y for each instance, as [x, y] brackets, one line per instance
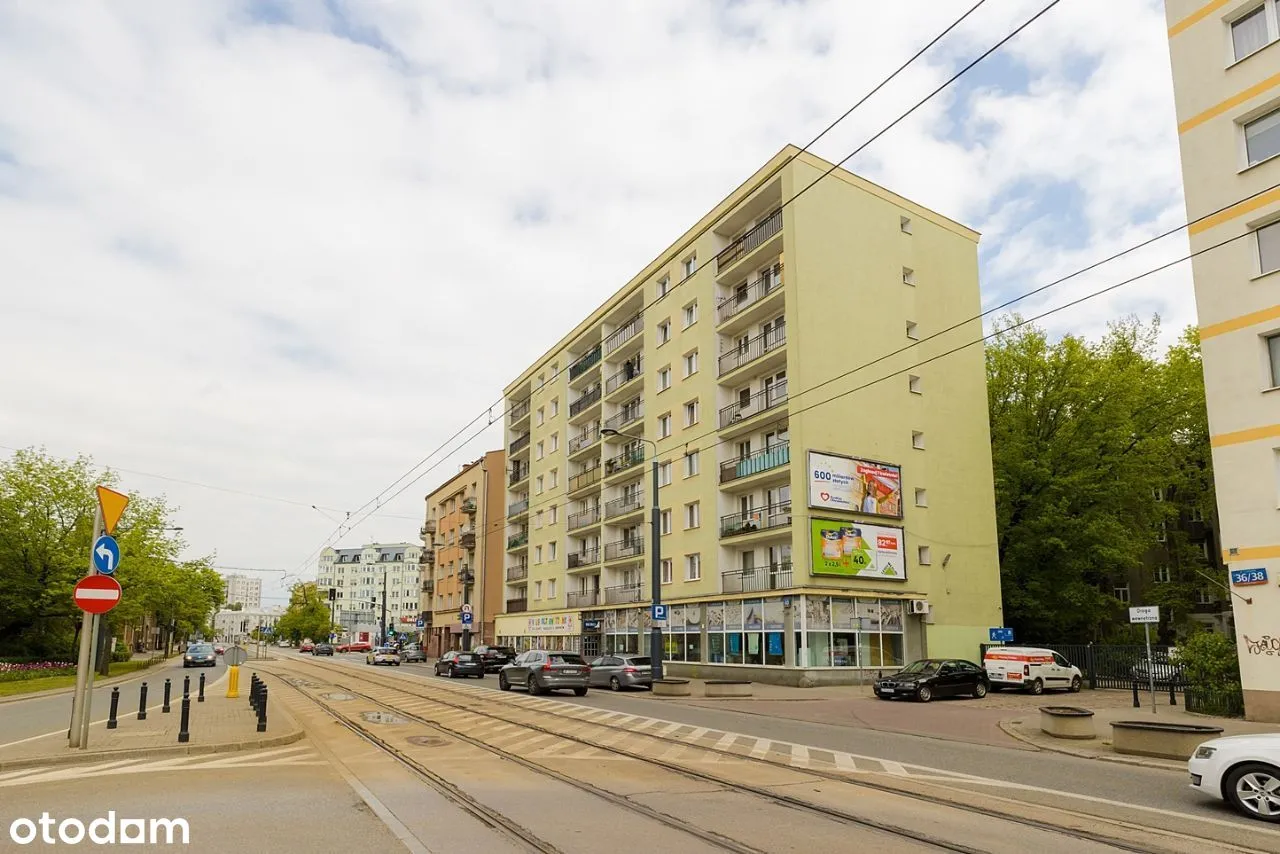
[112, 504]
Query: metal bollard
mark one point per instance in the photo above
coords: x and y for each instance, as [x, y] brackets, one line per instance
[262, 710]
[184, 734]
[115, 704]
[253, 691]
[142, 702]
[186, 685]
[1137, 704]
[1173, 697]
[200, 696]
[165, 708]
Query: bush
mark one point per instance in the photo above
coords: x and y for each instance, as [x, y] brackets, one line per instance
[1209, 662]
[121, 654]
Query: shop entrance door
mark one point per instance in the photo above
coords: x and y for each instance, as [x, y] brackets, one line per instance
[591, 646]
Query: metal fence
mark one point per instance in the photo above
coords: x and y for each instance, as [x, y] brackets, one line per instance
[1110, 665]
[1224, 703]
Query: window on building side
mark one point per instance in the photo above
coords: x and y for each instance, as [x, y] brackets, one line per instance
[911, 331]
[664, 474]
[922, 497]
[664, 523]
[664, 332]
[1122, 593]
[691, 413]
[691, 265]
[914, 384]
[666, 571]
[691, 314]
[1161, 575]
[692, 567]
[904, 223]
[1249, 33]
[917, 440]
[692, 515]
[664, 426]
[691, 363]
[908, 276]
[923, 555]
[1273, 357]
[1262, 137]
[664, 285]
[664, 379]
[691, 464]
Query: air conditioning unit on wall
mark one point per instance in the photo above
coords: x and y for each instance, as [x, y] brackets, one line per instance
[919, 606]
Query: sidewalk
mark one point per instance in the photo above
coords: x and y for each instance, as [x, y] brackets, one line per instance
[215, 726]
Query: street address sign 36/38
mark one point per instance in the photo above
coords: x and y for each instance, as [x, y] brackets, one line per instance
[1145, 614]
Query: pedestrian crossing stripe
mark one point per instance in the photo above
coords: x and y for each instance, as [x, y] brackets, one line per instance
[293, 755]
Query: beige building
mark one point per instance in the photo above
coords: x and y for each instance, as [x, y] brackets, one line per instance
[1226, 74]
[464, 532]
[810, 532]
[242, 590]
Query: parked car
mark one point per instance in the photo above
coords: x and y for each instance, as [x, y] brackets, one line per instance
[200, 655]
[934, 677]
[624, 670]
[322, 649]
[454, 663]
[539, 671]
[306, 646]
[1031, 669]
[413, 652]
[1164, 669]
[219, 649]
[383, 655]
[495, 657]
[1243, 770]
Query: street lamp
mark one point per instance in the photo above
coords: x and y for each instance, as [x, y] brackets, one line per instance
[655, 559]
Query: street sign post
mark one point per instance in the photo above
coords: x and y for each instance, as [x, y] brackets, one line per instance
[468, 608]
[1148, 614]
[468, 618]
[96, 594]
[106, 555]
[234, 657]
[1000, 635]
[420, 623]
[658, 614]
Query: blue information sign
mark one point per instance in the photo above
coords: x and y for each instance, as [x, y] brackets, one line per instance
[658, 613]
[1245, 577]
[467, 618]
[106, 555]
[1003, 635]
[421, 623]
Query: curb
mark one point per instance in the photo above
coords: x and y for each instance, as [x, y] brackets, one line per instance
[1160, 765]
[151, 752]
[97, 683]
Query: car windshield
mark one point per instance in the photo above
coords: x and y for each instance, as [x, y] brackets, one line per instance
[923, 666]
[558, 658]
[200, 648]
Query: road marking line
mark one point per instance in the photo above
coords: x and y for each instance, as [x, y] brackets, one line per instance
[761, 748]
[697, 733]
[845, 762]
[672, 752]
[799, 755]
[895, 768]
[726, 741]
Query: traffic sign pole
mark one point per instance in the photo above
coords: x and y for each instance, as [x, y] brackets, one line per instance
[78, 734]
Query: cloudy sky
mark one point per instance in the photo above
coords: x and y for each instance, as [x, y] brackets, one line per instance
[286, 249]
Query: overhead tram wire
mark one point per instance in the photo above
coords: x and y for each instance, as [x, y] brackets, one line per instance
[675, 253]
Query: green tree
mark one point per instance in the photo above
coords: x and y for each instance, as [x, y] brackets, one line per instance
[307, 616]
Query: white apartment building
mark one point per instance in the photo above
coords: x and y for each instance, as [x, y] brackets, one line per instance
[243, 590]
[237, 625]
[359, 578]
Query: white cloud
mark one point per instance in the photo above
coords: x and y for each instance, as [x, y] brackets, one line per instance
[281, 253]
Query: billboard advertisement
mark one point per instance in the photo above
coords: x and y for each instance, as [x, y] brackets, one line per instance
[854, 485]
[857, 550]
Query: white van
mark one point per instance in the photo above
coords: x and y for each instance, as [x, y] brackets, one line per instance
[1030, 668]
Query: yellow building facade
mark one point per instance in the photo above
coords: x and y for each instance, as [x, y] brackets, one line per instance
[826, 496]
[1226, 74]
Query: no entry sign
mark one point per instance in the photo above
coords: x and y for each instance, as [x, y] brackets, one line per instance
[97, 594]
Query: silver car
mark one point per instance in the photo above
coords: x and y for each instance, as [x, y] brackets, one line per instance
[624, 670]
[413, 652]
[539, 671]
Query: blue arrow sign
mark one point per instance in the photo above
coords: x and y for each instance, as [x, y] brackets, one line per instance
[467, 618]
[106, 555]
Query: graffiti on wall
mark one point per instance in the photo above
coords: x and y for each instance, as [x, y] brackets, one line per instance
[1266, 645]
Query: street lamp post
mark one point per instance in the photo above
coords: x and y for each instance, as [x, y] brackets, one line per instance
[655, 555]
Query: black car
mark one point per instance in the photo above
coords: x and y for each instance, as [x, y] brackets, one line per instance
[200, 655]
[495, 657]
[322, 649]
[454, 663]
[934, 677]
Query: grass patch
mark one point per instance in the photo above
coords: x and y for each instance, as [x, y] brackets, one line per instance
[45, 683]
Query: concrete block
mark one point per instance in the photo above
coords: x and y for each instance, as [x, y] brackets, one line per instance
[1163, 740]
[1066, 722]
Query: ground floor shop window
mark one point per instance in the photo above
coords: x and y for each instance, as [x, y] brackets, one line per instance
[853, 632]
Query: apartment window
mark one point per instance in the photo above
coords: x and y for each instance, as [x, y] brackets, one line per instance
[664, 285]
[664, 474]
[917, 440]
[908, 276]
[1262, 137]
[692, 567]
[914, 384]
[904, 223]
[537, 590]
[664, 332]
[540, 451]
[911, 331]
[690, 265]
[923, 555]
[555, 442]
[664, 379]
[537, 554]
[1162, 535]
[691, 363]
[551, 588]
[1197, 515]
[1249, 33]
[1122, 593]
[537, 520]
[1205, 549]
[554, 478]
[664, 425]
[1204, 597]
[690, 314]
[922, 497]
[552, 513]
[555, 407]
[691, 413]
[538, 484]
[1157, 494]
[692, 515]
[666, 571]
[664, 522]
[691, 464]
[1273, 357]
[1161, 575]
[551, 555]
[541, 415]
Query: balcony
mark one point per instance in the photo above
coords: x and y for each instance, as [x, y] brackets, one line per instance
[584, 557]
[469, 506]
[629, 413]
[584, 440]
[749, 294]
[519, 411]
[585, 401]
[468, 540]
[518, 541]
[624, 333]
[755, 348]
[757, 580]
[584, 519]
[623, 594]
[752, 240]
[772, 457]
[519, 444]
[430, 556]
[518, 572]
[586, 363]
[624, 505]
[762, 401]
[521, 506]
[518, 473]
[585, 478]
[428, 527]
[515, 606]
[583, 598]
[632, 369]
[760, 519]
[623, 461]
[623, 549]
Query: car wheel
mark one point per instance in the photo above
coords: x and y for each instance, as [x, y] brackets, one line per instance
[503, 685]
[924, 694]
[614, 684]
[1036, 687]
[479, 675]
[581, 692]
[532, 686]
[1254, 790]
[1075, 685]
[979, 691]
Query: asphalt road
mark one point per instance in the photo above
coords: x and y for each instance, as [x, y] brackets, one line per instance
[22, 720]
[1097, 785]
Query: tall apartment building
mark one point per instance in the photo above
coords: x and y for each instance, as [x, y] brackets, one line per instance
[358, 576]
[463, 533]
[811, 529]
[1226, 75]
[243, 589]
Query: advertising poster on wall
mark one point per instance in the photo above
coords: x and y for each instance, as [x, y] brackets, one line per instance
[857, 550]
[854, 485]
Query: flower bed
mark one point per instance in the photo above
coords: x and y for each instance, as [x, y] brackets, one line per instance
[11, 672]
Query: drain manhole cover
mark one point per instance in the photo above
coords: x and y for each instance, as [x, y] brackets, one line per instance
[427, 741]
[383, 718]
[339, 696]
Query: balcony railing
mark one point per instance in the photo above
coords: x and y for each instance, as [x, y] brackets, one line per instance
[589, 397]
[625, 504]
[747, 295]
[587, 517]
[761, 401]
[758, 579]
[770, 458]
[520, 506]
[517, 540]
[751, 350]
[514, 606]
[519, 410]
[623, 461]
[760, 519]
[518, 473]
[584, 440]
[519, 572]
[428, 527]
[633, 411]
[622, 594]
[468, 540]
[428, 586]
[584, 557]
[624, 548]
[520, 444]
[586, 363]
[469, 506]
[749, 241]
[624, 333]
[584, 478]
[631, 369]
[583, 598]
